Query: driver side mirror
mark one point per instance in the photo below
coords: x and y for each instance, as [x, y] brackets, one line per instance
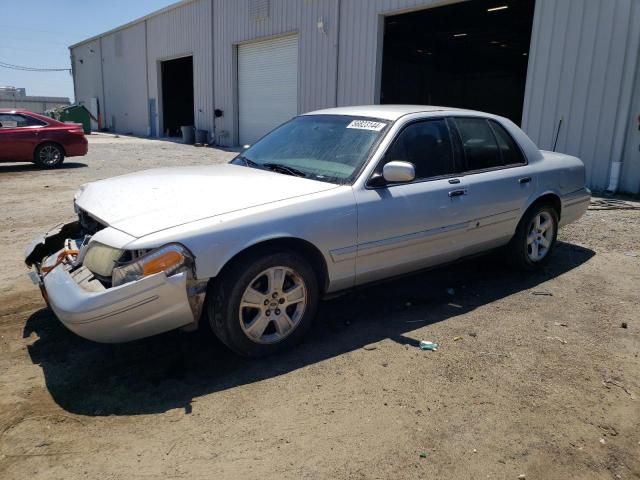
[394, 172]
[399, 172]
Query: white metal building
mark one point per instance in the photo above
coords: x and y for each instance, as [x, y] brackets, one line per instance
[567, 71]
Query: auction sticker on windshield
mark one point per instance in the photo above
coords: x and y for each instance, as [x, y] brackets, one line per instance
[367, 125]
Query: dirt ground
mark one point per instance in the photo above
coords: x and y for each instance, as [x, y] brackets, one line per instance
[535, 375]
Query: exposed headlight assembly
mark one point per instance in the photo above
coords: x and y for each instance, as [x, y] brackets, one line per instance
[170, 259]
[100, 258]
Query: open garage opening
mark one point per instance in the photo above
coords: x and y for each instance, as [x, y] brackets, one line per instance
[177, 95]
[472, 55]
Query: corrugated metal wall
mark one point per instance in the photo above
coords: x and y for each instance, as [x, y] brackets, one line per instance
[125, 86]
[582, 65]
[87, 72]
[581, 69]
[179, 32]
[630, 178]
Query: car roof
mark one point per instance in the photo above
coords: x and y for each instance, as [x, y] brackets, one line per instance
[14, 110]
[391, 112]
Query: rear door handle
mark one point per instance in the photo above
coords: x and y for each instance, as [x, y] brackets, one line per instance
[457, 193]
[524, 180]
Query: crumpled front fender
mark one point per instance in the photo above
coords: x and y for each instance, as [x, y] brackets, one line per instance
[50, 242]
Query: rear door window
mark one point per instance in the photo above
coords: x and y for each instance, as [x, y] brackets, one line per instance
[8, 121]
[14, 120]
[509, 150]
[425, 144]
[479, 143]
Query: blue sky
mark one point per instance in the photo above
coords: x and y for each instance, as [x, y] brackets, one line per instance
[36, 33]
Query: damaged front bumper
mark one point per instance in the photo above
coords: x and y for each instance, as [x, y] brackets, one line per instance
[49, 242]
[154, 304]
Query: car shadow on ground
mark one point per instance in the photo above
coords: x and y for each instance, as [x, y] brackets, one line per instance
[29, 167]
[171, 370]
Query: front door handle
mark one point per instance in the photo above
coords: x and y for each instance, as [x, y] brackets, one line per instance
[524, 180]
[457, 193]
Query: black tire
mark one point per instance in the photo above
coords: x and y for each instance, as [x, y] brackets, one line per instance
[226, 292]
[48, 155]
[519, 250]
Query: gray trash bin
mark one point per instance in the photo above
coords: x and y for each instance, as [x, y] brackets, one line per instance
[201, 136]
[187, 134]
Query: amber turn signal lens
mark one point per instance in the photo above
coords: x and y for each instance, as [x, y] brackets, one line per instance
[162, 263]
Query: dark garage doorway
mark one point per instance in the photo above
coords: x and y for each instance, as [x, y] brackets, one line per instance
[177, 95]
[472, 55]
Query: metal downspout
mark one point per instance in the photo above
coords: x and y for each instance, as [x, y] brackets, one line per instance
[213, 71]
[102, 109]
[625, 100]
[337, 46]
[73, 75]
[146, 72]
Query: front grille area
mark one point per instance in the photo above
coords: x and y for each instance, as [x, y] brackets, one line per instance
[88, 224]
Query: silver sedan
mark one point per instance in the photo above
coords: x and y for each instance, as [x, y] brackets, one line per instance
[330, 200]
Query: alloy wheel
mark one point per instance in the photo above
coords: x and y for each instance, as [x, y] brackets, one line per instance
[540, 236]
[49, 155]
[273, 305]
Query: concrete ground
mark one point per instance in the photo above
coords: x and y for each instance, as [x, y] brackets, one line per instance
[537, 375]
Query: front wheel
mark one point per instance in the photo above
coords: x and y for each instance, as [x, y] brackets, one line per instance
[264, 303]
[535, 238]
[48, 155]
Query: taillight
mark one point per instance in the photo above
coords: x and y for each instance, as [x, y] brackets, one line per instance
[76, 131]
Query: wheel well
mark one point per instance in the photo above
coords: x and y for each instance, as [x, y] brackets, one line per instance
[549, 199]
[302, 247]
[53, 143]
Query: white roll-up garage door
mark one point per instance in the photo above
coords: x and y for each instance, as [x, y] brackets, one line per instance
[267, 86]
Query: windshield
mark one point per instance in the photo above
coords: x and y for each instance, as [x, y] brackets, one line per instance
[329, 148]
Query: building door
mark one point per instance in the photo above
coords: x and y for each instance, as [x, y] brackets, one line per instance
[469, 55]
[177, 95]
[267, 86]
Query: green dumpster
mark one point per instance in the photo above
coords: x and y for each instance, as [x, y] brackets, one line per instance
[76, 114]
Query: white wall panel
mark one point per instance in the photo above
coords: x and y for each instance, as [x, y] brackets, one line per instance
[124, 108]
[630, 177]
[87, 71]
[582, 65]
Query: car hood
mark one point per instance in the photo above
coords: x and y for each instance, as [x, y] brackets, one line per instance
[145, 202]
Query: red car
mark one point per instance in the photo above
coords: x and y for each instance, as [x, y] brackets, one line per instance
[28, 137]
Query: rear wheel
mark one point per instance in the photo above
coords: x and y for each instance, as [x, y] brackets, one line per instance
[535, 238]
[264, 303]
[48, 155]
